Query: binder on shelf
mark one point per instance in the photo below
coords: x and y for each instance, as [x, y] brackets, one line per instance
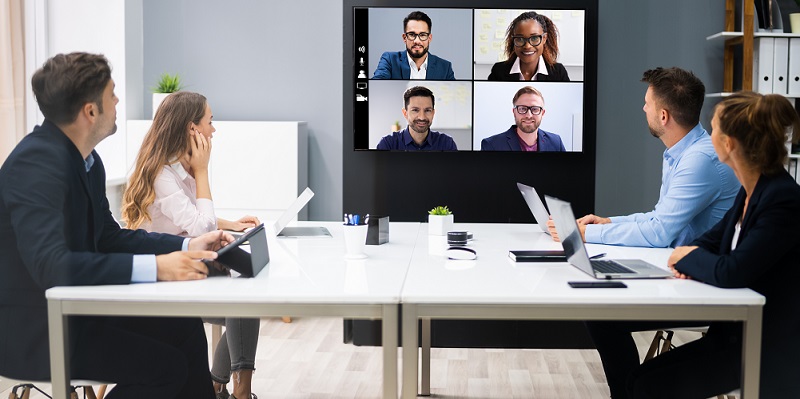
[780, 66]
[794, 67]
[763, 58]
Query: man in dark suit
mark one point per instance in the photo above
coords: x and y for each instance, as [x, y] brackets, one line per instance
[56, 230]
[525, 135]
[416, 62]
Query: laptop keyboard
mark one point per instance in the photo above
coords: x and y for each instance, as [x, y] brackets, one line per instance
[609, 266]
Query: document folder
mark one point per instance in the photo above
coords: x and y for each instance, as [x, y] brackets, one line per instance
[763, 54]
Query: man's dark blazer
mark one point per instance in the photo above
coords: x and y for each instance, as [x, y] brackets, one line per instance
[501, 71]
[767, 260]
[55, 230]
[509, 141]
[394, 65]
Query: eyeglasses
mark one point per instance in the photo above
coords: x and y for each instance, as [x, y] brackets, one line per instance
[413, 36]
[535, 40]
[523, 109]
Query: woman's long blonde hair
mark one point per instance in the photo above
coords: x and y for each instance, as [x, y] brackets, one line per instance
[166, 141]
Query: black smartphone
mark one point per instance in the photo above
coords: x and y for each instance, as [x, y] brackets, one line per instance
[597, 284]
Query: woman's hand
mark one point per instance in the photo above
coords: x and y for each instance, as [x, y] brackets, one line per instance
[242, 224]
[201, 151]
[675, 257]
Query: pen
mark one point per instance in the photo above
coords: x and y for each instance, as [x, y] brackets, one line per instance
[598, 256]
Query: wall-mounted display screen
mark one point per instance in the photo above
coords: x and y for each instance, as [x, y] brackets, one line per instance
[470, 79]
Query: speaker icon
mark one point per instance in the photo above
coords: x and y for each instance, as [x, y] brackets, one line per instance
[362, 49]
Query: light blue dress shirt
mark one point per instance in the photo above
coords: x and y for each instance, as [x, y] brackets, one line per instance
[696, 191]
[144, 269]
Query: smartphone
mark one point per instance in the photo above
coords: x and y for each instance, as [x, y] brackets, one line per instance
[597, 284]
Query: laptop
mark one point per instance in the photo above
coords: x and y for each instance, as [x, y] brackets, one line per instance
[291, 212]
[536, 205]
[248, 264]
[571, 240]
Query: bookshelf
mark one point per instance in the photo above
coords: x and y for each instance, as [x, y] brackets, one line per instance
[743, 41]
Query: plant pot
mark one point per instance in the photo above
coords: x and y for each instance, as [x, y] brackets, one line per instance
[794, 22]
[439, 225]
[157, 99]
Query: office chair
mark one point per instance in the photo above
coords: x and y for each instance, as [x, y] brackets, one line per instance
[23, 391]
[662, 342]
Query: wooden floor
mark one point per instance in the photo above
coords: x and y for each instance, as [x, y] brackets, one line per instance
[307, 359]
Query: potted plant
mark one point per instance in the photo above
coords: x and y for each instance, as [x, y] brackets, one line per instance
[440, 221]
[166, 84]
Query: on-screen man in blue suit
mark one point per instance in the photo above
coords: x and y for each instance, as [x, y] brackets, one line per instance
[415, 62]
[525, 135]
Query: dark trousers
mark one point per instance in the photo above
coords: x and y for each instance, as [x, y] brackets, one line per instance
[147, 357]
[700, 369]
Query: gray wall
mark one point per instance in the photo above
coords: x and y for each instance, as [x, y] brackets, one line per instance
[259, 60]
[270, 60]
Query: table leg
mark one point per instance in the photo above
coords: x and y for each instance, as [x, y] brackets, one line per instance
[389, 341]
[751, 352]
[59, 349]
[410, 354]
[425, 389]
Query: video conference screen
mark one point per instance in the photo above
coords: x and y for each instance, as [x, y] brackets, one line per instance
[473, 79]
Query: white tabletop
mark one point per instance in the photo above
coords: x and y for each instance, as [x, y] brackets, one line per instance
[493, 278]
[304, 270]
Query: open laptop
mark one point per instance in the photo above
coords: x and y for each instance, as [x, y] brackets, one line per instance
[248, 264]
[571, 240]
[536, 205]
[293, 232]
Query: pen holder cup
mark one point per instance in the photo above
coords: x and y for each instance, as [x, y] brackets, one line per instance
[355, 239]
[378, 231]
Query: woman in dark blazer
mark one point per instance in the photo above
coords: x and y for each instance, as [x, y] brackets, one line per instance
[754, 246]
[532, 49]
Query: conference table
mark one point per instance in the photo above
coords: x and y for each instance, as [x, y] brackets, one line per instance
[495, 287]
[305, 277]
[312, 277]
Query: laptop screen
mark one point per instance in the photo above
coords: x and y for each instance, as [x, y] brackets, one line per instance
[293, 209]
[567, 227]
[535, 204]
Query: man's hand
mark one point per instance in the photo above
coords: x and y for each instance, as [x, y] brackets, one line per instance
[551, 228]
[593, 219]
[180, 265]
[211, 241]
[678, 254]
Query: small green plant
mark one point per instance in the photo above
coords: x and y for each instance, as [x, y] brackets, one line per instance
[440, 211]
[168, 83]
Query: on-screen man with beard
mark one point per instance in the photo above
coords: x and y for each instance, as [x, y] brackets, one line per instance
[418, 136]
[416, 62]
[525, 135]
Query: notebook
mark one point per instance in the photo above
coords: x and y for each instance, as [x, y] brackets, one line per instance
[248, 264]
[293, 232]
[536, 205]
[571, 240]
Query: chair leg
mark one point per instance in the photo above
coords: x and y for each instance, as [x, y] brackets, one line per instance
[88, 392]
[651, 352]
[667, 342]
[101, 392]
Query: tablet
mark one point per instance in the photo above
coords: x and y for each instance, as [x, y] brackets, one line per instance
[248, 264]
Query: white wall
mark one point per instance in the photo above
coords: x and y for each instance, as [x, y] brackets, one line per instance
[96, 26]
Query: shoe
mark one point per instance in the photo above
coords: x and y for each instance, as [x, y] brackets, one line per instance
[224, 393]
[252, 396]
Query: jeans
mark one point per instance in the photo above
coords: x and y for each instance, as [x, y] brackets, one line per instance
[237, 347]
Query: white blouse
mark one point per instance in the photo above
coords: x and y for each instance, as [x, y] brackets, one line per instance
[176, 209]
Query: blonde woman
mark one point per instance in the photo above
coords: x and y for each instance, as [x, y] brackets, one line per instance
[169, 192]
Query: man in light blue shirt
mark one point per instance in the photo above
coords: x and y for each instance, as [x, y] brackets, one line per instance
[696, 188]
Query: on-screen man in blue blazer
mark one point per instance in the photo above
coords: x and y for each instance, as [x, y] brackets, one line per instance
[417, 37]
[528, 112]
